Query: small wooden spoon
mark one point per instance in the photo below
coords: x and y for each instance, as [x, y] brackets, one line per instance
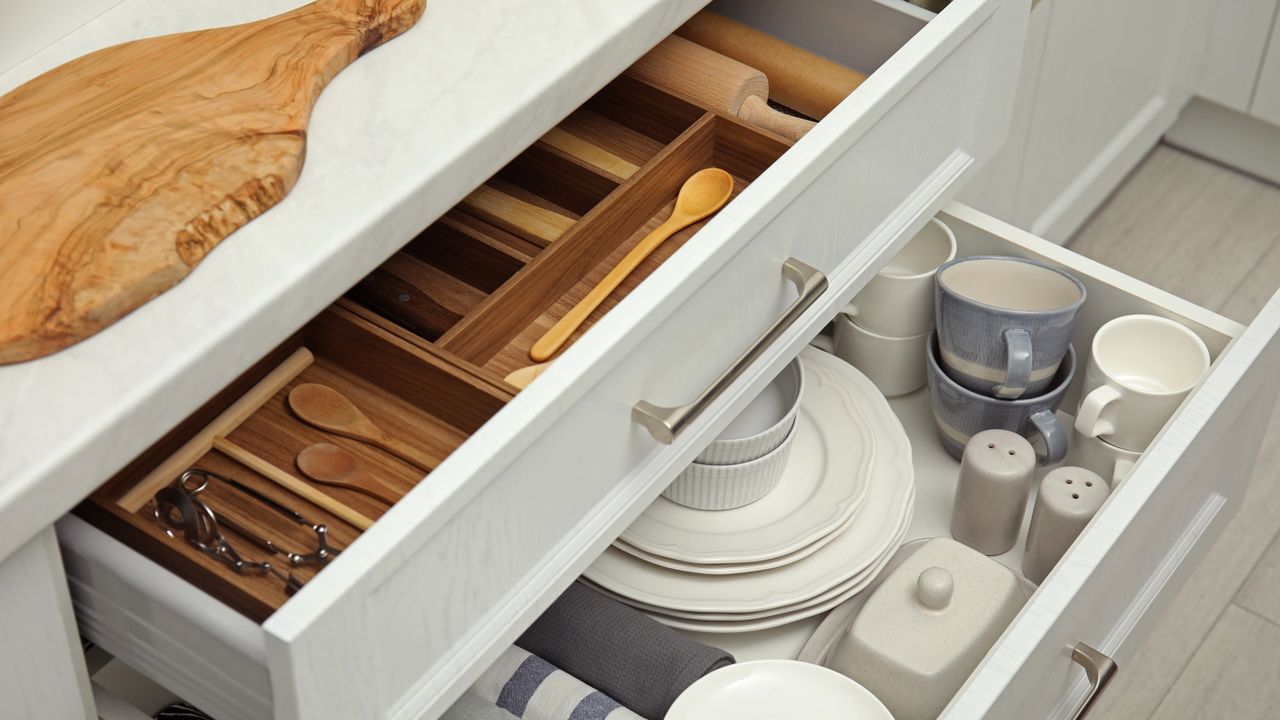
[323, 407]
[704, 193]
[522, 377]
[329, 464]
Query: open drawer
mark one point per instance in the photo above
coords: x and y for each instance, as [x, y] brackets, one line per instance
[1130, 561]
[516, 505]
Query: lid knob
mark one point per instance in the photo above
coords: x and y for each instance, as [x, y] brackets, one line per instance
[934, 588]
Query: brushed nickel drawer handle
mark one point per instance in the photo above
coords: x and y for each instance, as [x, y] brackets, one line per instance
[1098, 668]
[665, 423]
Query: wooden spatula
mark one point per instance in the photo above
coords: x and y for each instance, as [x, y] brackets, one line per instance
[329, 464]
[122, 169]
[715, 81]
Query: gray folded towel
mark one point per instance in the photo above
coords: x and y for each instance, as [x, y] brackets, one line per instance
[642, 663]
[473, 707]
[526, 686]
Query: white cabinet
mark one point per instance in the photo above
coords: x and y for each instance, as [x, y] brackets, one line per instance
[1102, 82]
[1266, 96]
[1236, 46]
[411, 612]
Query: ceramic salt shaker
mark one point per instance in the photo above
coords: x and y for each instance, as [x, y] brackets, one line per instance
[996, 471]
[1069, 497]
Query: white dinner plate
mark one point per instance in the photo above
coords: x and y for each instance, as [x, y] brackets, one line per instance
[771, 689]
[824, 482]
[826, 600]
[858, 590]
[732, 568]
[876, 525]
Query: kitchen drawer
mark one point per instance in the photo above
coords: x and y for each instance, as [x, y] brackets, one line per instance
[1128, 564]
[416, 606]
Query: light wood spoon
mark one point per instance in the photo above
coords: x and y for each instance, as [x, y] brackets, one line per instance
[327, 409]
[329, 464]
[522, 377]
[704, 193]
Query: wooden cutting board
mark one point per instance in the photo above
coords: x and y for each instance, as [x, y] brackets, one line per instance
[122, 169]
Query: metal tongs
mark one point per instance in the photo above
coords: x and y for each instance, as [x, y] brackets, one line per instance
[178, 509]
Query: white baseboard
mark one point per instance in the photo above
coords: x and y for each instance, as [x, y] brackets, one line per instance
[1229, 137]
[1100, 177]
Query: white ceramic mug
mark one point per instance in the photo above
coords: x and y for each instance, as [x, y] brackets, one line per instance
[1113, 464]
[898, 302]
[894, 365]
[1140, 369]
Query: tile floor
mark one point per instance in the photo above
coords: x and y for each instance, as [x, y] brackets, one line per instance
[1211, 236]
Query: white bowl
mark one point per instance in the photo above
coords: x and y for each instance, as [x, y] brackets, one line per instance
[770, 689]
[763, 425]
[725, 487]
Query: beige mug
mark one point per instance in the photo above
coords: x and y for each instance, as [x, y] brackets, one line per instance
[898, 301]
[1140, 369]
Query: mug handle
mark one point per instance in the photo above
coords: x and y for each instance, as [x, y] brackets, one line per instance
[1055, 438]
[1089, 418]
[1017, 374]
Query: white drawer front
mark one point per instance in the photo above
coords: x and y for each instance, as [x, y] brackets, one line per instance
[1130, 561]
[412, 612]
[448, 578]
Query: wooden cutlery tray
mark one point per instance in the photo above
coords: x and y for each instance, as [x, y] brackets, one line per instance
[422, 344]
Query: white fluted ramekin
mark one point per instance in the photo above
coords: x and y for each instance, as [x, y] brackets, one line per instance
[724, 487]
[736, 450]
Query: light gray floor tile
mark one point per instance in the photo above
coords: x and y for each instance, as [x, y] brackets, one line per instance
[1256, 288]
[1185, 225]
[1261, 592]
[1233, 674]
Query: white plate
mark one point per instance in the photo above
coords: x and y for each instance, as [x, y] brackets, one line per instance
[820, 489]
[772, 689]
[733, 568]
[826, 600]
[720, 627]
[879, 516]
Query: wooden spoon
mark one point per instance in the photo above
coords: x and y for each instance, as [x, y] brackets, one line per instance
[704, 193]
[329, 464]
[522, 377]
[323, 407]
[122, 169]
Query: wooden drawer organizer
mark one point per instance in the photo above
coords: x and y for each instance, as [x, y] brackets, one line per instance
[422, 344]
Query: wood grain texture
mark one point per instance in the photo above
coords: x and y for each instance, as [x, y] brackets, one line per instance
[799, 79]
[716, 81]
[122, 169]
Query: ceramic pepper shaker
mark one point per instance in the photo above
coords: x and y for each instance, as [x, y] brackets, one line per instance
[996, 471]
[1069, 497]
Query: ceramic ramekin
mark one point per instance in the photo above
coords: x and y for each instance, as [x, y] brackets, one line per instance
[724, 487]
[735, 445]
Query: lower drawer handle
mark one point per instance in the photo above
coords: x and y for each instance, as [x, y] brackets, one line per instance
[665, 423]
[1098, 668]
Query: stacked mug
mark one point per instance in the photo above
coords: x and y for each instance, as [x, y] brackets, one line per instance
[1140, 369]
[1001, 356]
[885, 330]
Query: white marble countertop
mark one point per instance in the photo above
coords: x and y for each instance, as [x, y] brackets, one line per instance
[397, 139]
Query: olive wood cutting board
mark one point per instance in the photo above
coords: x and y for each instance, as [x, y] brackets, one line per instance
[122, 169]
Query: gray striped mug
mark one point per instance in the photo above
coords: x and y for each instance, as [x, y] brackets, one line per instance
[961, 413]
[1004, 323]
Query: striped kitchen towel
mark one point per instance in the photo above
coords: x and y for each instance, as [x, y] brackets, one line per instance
[529, 687]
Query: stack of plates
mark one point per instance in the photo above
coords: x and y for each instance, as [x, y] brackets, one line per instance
[822, 535]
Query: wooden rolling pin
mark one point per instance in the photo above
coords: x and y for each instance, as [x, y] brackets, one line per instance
[716, 81]
[801, 80]
[122, 169]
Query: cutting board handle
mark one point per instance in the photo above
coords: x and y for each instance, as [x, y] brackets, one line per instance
[380, 20]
